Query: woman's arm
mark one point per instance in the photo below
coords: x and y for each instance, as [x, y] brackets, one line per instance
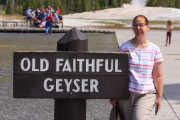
[158, 81]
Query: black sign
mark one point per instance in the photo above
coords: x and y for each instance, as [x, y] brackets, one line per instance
[70, 75]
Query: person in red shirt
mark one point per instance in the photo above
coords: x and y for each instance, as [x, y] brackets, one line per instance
[59, 11]
[49, 23]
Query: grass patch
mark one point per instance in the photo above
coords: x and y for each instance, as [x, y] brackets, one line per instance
[176, 22]
[176, 28]
[125, 24]
[129, 21]
[104, 22]
[158, 28]
[5, 79]
[113, 26]
[124, 20]
[155, 22]
[12, 17]
[119, 26]
[159, 22]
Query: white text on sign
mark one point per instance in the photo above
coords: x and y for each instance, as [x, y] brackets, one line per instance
[73, 65]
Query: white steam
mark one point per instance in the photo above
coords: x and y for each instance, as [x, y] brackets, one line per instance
[139, 2]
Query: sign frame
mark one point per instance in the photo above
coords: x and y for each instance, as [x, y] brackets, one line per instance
[28, 81]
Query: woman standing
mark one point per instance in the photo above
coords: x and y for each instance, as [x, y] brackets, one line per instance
[169, 33]
[145, 80]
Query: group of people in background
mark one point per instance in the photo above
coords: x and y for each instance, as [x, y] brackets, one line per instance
[49, 17]
[44, 18]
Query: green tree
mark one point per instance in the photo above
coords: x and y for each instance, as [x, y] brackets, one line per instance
[102, 4]
[69, 6]
[87, 5]
[177, 3]
[3, 2]
[172, 3]
[9, 7]
[106, 3]
[97, 4]
[120, 2]
[115, 3]
[162, 3]
[126, 1]
[78, 6]
[64, 6]
[152, 3]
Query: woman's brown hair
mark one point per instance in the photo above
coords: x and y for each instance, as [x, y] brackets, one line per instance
[145, 18]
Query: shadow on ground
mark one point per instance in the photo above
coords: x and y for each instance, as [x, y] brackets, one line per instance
[171, 92]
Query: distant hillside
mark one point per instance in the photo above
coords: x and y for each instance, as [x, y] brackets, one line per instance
[164, 3]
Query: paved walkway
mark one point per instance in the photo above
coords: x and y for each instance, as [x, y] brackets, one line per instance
[171, 101]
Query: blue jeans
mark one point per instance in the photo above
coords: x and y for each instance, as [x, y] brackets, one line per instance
[49, 27]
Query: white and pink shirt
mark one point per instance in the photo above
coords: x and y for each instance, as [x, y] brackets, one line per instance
[141, 63]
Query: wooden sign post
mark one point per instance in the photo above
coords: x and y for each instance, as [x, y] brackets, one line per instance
[68, 109]
[70, 76]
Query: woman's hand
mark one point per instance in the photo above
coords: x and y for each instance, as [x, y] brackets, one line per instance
[113, 102]
[157, 104]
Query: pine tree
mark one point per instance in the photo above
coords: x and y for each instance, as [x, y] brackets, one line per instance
[102, 4]
[9, 7]
[115, 3]
[106, 2]
[172, 3]
[3, 2]
[126, 1]
[97, 4]
[87, 4]
[152, 3]
[68, 6]
[78, 6]
[120, 2]
[177, 3]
